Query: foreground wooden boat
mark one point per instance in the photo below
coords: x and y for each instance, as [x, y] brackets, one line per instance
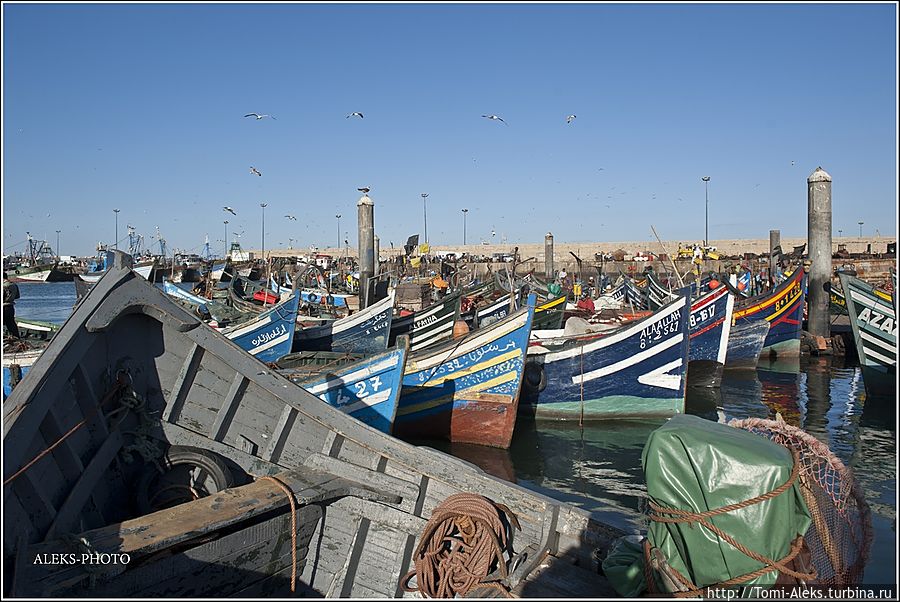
[467, 390]
[132, 376]
[366, 331]
[783, 310]
[873, 319]
[637, 371]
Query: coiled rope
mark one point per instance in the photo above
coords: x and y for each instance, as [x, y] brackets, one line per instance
[461, 543]
[687, 516]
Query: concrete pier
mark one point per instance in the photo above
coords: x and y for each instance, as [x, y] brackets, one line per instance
[366, 225]
[774, 243]
[548, 256]
[819, 234]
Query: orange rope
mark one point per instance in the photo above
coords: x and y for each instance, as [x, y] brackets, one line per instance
[290, 495]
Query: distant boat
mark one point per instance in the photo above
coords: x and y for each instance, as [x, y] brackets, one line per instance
[636, 371]
[268, 336]
[782, 308]
[467, 390]
[873, 319]
[428, 326]
[18, 357]
[366, 331]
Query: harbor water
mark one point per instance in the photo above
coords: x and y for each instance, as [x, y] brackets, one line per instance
[598, 466]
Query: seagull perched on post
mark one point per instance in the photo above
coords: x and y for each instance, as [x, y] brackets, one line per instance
[229, 210]
[570, 118]
[258, 116]
[364, 189]
[253, 170]
[495, 118]
[355, 114]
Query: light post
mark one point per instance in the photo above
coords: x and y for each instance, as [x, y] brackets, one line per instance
[860, 228]
[225, 256]
[290, 243]
[425, 214]
[116, 241]
[706, 230]
[464, 212]
[57, 244]
[338, 216]
[840, 232]
[264, 205]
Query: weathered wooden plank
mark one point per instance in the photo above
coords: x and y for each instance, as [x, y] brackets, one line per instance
[410, 544]
[229, 407]
[182, 385]
[378, 480]
[178, 435]
[83, 489]
[556, 578]
[66, 458]
[279, 436]
[276, 585]
[88, 401]
[224, 564]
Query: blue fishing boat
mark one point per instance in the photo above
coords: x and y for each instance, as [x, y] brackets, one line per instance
[495, 310]
[365, 331]
[319, 297]
[745, 343]
[367, 388]
[873, 319]
[269, 335]
[217, 315]
[710, 326]
[636, 371]
[467, 390]
[783, 310]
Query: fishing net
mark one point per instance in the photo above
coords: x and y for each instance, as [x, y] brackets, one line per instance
[840, 533]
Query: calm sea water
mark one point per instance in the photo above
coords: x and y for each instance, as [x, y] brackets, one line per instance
[598, 467]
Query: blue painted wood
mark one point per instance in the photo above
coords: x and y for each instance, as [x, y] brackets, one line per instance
[269, 335]
[367, 389]
[633, 372]
[467, 390]
[710, 325]
[429, 326]
[495, 310]
[783, 310]
[366, 331]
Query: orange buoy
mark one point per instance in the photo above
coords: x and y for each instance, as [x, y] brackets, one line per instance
[713, 284]
[460, 329]
[741, 286]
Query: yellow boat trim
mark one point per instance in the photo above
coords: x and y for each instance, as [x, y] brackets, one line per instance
[786, 307]
[433, 403]
[755, 308]
[883, 295]
[550, 304]
[470, 370]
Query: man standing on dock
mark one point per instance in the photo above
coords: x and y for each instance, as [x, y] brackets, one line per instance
[10, 294]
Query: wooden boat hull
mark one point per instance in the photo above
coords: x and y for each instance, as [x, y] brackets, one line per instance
[269, 335]
[783, 310]
[710, 327]
[358, 499]
[367, 389]
[549, 315]
[873, 319]
[467, 390]
[428, 326]
[366, 331]
[637, 371]
[493, 311]
[745, 343]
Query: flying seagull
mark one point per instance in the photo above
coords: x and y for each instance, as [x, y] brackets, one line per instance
[355, 114]
[495, 118]
[229, 210]
[570, 118]
[364, 189]
[258, 116]
[253, 170]
[291, 217]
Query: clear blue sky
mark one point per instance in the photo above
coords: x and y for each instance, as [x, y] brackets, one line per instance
[139, 107]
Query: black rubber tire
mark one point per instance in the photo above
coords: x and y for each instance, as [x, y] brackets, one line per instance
[180, 455]
[534, 378]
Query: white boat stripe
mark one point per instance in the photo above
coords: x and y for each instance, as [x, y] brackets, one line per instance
[249, 327]
[629, 361]
[351, 321]
[875, 355]
[368, 401]
[270, 344]
[615, 338]
[876, 341]
[868, 302]
[483, 337]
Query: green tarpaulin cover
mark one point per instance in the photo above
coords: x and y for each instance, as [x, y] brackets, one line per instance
[698, 465]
